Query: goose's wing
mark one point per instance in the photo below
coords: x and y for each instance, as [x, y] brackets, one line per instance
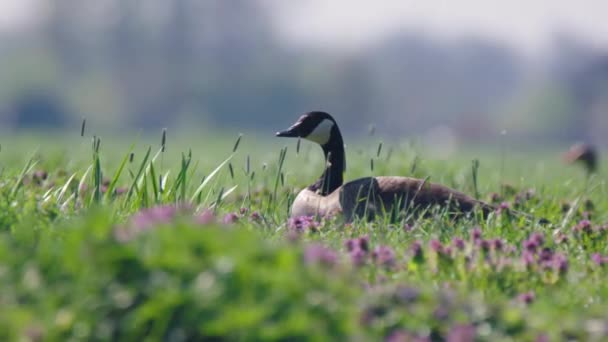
[368, 196]
[424, 194]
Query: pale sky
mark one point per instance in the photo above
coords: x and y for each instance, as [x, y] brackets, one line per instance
[525, 24]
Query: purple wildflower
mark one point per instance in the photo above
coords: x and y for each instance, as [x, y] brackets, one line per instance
[484, 245]
[358, 257]
[598, 259]
[441, 313]
[476, 234]
[319, 254]
[302, 223]
[538, 238]
[40, 176]
[358, 248]
[561, 238]
[407, 294]
[498, 244]
[83, 189]
[534, 242]
[527, 258]
[399, 336]
[148, 217]
[436, 245]
[461, 333]
[545, 255]
[206, 217]
[384, 255]
[526, 297]
[530, 246]
[502, 207]
[458, 243]
[404, 336]
[584, 226]
[230, 218]
[361, 243]
[408, 227]
[495, 197]
[120, 191]
[560, 263]
[255, 216]
[542, 338]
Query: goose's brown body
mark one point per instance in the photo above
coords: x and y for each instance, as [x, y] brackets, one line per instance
[374, 196]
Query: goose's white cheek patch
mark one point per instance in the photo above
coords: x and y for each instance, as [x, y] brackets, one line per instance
[321, 133]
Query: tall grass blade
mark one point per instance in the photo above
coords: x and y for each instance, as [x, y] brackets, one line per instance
[231, 170]
[282, 155]
[65, 187]
[181, 179]
[154, 184]
[83, 126]
[136, 179]
[97, 178]
[209, 178]
[236, 144]
[163, 141]
[117, 174]
[83, 180]
[27, 168]
[475, 171]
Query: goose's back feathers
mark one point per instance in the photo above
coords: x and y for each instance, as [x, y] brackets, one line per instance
[371, 196]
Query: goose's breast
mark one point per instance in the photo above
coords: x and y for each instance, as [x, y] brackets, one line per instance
[309, 203]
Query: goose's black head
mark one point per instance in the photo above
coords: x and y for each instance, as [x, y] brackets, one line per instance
[316, 126]
[321, 128]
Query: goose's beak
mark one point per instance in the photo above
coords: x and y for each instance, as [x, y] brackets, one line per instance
[291, 132]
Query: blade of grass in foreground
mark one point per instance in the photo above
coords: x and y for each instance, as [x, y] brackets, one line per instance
[222, 195]
[28, 167]
[117, 174]
[149, 165]
[182, 177]
[138, 175]
[65, 187]
[97, 178]
[83, 180]
[209, 178]
[155, 186]
[282, 155]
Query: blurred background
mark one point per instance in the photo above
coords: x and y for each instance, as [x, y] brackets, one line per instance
[537, 70]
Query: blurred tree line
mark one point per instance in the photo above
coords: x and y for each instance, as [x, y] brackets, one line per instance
[136, 64]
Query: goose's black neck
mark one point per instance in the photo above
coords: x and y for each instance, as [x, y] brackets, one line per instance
[335, 165]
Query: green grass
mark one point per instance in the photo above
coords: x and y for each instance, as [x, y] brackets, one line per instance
[195, 242]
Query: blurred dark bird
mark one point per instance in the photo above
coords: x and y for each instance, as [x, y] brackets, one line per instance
[585, 154]
[369, 196]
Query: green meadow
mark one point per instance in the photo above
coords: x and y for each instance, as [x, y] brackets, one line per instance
[124, 238]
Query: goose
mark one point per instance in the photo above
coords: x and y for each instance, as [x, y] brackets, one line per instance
[365, 197]
[583, 153]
